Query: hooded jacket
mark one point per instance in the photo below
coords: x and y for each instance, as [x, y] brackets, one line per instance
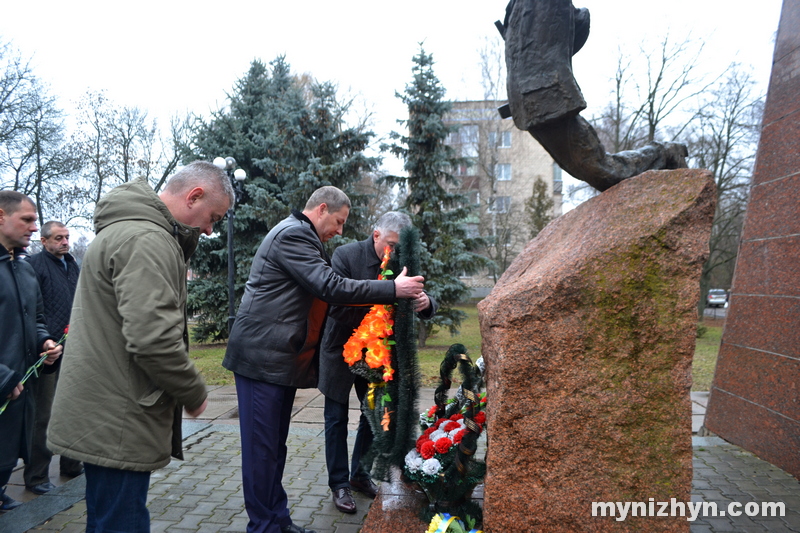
[119, 398]
[22, 336]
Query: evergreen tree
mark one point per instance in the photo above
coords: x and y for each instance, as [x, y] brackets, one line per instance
[289, 136]
[437, 209]
[539, 207]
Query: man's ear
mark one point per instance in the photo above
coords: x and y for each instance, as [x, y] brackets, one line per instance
[194, 195]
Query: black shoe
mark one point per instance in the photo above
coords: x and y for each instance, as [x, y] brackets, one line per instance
[294, 528]
[7, 503]
[364, 486]
[42, 488]
[343, 500]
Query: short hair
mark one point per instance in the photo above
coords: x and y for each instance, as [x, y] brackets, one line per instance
[393, 221]
[329, 195]
[201, 173]
[11, 200]
[47, 228]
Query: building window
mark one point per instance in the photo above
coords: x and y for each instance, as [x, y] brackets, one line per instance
[502, 172]
[501, 204]
[468, 136]
[503, 140]
[557, 183]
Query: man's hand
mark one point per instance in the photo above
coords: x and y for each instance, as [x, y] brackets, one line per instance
[421, 302]
[16, 392]
[408, 287]
[194, 413]
[53, 351]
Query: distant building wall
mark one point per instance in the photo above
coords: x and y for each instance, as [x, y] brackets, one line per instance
[755, 396]
[502, 165]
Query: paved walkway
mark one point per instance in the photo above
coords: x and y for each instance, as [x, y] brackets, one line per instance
[203, 493]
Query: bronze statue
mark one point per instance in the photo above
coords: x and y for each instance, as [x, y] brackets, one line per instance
[545, 100]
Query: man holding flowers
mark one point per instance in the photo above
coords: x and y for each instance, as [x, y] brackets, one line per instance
[274, 344]
[23, 338]
[358, 260]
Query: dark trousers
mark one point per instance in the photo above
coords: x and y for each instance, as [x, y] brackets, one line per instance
[37, 469]
[336, 416]
[5, 475]
[116, 500]
[265, 411]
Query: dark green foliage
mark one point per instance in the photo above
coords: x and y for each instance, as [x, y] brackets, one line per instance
[436, 209]
[290, 138]
[538, 207]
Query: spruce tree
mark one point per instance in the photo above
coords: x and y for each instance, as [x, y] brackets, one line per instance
[289, 136]
[437, 208]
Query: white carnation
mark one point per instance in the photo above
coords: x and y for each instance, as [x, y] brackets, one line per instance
[431, 466]
[413, 461]
[436, 435]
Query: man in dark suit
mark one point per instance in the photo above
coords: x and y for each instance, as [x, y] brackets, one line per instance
[57, 273]
[358, 260]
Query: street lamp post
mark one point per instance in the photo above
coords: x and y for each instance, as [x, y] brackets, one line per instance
[228, 164]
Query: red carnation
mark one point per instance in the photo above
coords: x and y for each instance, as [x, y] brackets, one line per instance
[428, 431]
[450, 426]
[457, 416]
[460, 435]
[422, 440]
[443, 445]
[440, 422]
[427, 450]
[480, 418]
[431, 412]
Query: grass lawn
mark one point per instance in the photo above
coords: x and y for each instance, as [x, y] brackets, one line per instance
[208, 357]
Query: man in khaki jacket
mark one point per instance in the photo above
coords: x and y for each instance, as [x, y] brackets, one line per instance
[118, 401]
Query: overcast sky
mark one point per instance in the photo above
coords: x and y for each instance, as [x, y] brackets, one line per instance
[173, 56]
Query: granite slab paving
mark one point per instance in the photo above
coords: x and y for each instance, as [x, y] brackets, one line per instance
[204, 492]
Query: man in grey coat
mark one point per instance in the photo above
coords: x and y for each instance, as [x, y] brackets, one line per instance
[358, 260]
[274, 344]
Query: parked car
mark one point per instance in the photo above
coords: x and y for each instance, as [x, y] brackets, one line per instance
[717, 298]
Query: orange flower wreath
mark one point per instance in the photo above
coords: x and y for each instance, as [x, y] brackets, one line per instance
[371, 341]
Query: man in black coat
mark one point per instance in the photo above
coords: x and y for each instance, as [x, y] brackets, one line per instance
[23, 335]
[273, 347]
[57, 273]
[358, 260]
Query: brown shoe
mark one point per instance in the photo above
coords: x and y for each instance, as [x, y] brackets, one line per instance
[364, 486]
[343, 500]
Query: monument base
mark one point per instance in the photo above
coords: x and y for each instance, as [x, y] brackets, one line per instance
[398, 507]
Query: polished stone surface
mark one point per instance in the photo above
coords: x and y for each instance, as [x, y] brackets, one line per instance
[754, 400]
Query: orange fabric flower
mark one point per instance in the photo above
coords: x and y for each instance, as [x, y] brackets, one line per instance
[370, 341]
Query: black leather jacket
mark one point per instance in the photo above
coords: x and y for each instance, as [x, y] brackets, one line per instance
[278, 328]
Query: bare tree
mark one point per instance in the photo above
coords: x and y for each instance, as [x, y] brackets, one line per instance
[724, 140]
[653, 98]
[117, 144]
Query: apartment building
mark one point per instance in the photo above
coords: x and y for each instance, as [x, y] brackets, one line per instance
[501, 166]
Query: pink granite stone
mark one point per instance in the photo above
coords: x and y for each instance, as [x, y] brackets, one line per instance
[588, 339]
